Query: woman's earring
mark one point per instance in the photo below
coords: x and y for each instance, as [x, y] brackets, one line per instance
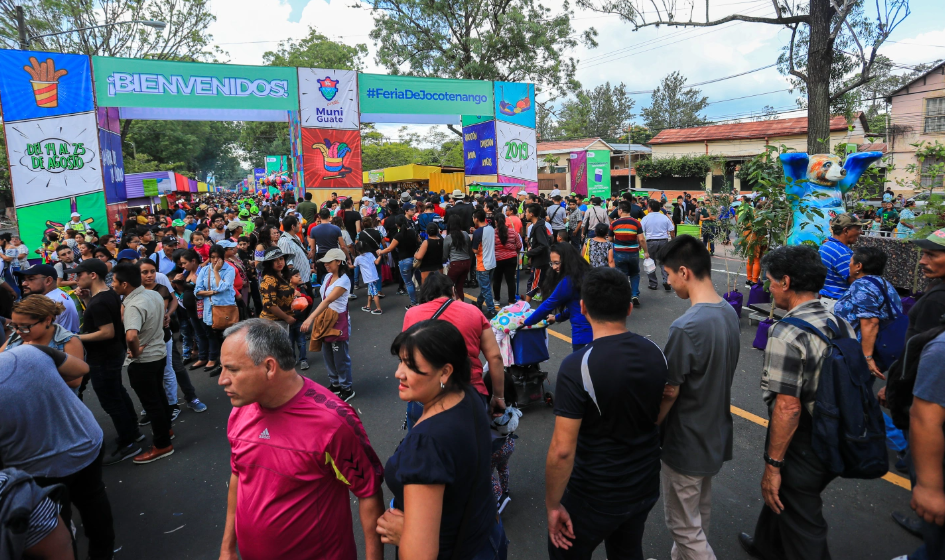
[442, 386]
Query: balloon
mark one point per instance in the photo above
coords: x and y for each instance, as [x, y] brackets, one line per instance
[299, 304]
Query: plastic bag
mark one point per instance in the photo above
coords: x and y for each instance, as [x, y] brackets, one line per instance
[649, 265]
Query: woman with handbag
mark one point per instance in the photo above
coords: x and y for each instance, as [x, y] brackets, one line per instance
[440, 474]
[214, 288]
[334, 291]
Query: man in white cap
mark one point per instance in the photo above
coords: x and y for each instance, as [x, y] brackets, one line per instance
[76, 223]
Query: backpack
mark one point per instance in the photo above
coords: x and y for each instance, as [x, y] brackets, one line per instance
[19, 496]
[900, 378]
[849, 434]
[891, 338]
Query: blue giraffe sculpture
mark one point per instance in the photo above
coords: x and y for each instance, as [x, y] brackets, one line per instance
[820, 182]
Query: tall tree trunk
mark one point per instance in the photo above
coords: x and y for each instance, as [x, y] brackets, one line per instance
[819, 59]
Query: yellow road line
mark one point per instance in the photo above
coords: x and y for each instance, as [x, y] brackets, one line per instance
[899, 481]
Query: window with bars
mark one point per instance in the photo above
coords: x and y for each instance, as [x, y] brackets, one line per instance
[929, 166]
[935, 114]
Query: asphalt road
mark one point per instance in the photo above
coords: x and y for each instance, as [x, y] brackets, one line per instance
[175, 508]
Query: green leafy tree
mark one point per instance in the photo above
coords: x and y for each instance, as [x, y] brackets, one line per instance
[820, 30]
[317, 51]
[184, 38]
[600, 112]
[673, 105]
[507, 40]
[638, 134]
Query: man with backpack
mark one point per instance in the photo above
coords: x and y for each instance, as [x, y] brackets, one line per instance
[792, 524]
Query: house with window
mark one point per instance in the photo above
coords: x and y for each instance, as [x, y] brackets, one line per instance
[916, 114]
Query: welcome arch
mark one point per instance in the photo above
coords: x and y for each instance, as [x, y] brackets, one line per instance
[61, 115]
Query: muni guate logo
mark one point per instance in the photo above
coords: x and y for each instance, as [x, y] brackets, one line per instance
[159, 84]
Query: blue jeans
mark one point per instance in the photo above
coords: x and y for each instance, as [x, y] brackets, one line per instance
[338, 362]
[297, 337]
[485, 291]
[895, 439]
[406, 272]
[170, 378]
[629, 264]
[188, 343]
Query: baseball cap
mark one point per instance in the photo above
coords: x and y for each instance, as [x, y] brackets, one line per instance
[934, 242]
[847, 220]
[333, 255]
[226, 243]
[76, 215]
[178, 223]
[92, 265]
[233, 225]
[169, 240]
[39, 269]
[129, 254]
[407, 206]
[595, 200]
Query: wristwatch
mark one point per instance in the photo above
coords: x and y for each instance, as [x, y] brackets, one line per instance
[772, 462]
[870, 357]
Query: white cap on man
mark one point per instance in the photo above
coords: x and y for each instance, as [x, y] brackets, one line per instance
[76, 215]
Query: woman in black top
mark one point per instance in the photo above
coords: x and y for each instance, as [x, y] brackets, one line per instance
[406, 242]
[440, 473]
[430, 253]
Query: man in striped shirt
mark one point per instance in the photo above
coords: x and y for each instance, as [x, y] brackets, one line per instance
[836, 252]
[627, 235]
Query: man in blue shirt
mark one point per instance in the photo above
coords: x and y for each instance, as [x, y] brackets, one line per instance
[835, 254]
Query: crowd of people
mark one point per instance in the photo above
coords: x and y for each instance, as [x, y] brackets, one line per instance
[242, 289]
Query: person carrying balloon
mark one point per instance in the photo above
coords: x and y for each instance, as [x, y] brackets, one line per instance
[300, 308]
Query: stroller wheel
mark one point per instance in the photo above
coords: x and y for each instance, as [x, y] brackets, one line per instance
[549, 399]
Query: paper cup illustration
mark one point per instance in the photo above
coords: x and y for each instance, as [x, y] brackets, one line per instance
[598, 175]
[45, 81]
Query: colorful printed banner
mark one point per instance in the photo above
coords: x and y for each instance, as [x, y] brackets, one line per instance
[332, 158]
[527, 186]
[598, 173]
[578, 166]
[150, 187]
[408, 95]
[127, 82]
[37, 220]
[329, 98]
[479, 149]
[515, 103]
[275, 164]
[295, 146]
[34, 85]
[109, 120]
[516, 151]
[53, 158]
[113, 167]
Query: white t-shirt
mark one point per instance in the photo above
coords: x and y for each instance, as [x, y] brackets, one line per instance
[365, 262]
[69, 319]
[163, 280]
[340, 305]
[656, 225]
[217, 235]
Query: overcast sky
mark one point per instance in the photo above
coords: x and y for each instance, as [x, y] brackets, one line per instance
[639, 59]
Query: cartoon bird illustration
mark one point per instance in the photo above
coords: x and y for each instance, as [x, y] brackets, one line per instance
[333, 157]
[45, 81]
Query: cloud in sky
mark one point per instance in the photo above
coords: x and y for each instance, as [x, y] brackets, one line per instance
[248, 28]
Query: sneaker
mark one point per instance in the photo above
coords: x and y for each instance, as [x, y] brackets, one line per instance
[366, 309]
[667, 287]
[636, 302]
[175, 412]
[504, 500]
[377, 312]
[197, 406]
[651, 287]
[382, 296]
[346, 394]
[749, 283]
[352, 296]
[408, 306]
[153, 455]
[172, 434]
[121, 453]
[402, 292]
[335, 389]
[303, 364]
[144, 419]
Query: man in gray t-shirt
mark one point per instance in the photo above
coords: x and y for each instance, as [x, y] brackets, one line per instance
[46, 431]
[702, 353]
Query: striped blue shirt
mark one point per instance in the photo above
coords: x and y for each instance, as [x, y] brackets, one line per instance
[836, 257]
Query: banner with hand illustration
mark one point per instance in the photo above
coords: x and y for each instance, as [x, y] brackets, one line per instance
[332, 158]
[34, 85]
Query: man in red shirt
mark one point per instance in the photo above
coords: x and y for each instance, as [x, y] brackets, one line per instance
[296, 452]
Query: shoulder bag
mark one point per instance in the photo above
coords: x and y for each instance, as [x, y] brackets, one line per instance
[891, 338]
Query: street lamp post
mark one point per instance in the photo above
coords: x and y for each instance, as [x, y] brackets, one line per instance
[25, 39]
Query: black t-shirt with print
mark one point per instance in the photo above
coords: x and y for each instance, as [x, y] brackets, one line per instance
[618, 448]
[104, 308]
